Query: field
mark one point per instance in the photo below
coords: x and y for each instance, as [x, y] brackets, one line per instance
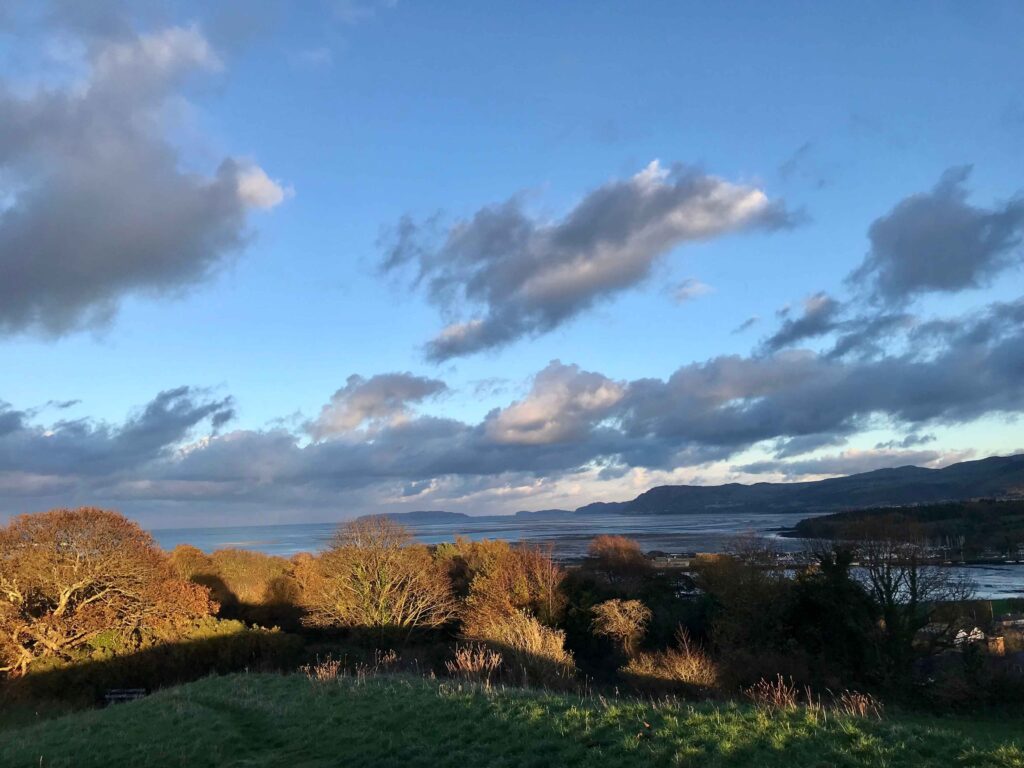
[278, 720]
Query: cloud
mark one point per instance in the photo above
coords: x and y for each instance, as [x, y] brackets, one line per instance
[98, 205]
[747, 324]
[313, 58]
[370, 446]
[85, 448]
[820, 316]
[936, 242]
[565, 403]
[910, 441]
[852, 462]
[689, 289]
[374, 402]
[797, 446]
[353, 12]
[522, 276]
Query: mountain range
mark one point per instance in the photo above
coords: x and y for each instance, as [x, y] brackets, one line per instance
[997, 477]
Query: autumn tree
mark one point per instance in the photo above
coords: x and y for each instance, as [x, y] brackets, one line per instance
[67, 576]
[622, 621]
[619, 560]
[374, 577]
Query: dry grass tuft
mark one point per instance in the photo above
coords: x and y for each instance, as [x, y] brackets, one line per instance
[474, 662]
[780, 693]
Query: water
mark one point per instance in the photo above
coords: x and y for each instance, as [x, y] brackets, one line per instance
[568, 536]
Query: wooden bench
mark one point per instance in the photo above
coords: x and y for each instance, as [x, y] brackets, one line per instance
[117, 695]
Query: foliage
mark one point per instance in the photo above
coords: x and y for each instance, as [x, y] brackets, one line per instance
[285, 720]
[623, 621]
[71, 577]
[493, 576]
[617, 559]
[252, 586]
[958, 530]
[532, 652]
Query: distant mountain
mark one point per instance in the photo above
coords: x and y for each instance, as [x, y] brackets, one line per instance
[424, 517]
[998, 477]
[995, 477]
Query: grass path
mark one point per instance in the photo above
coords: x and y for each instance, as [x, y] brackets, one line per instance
[268, 720]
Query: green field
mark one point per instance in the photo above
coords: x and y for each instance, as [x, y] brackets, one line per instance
[273, 720]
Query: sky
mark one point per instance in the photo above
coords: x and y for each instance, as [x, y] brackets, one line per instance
[270, 262]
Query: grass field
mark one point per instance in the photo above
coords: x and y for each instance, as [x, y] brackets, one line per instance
[271, 720]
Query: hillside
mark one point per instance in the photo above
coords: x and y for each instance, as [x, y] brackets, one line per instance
[995, 477]
[274, 720]
[969, 528]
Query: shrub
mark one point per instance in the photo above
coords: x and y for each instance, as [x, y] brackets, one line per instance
[531, 650]
[623, 621]
[212, 646]
[495, 576]
[686, 669]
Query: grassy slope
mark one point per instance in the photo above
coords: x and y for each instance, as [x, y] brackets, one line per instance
[267, 720]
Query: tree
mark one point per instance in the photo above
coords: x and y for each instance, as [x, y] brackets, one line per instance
[618, 559]
[622, 621]
[67, 576]
[374, 577]
[907, 590]
[833, 619]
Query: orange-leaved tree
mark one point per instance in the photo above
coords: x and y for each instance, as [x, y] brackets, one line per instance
[68, 576]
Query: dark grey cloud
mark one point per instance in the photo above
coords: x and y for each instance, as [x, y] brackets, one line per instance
[85, 448]
[101, 205]
[912, 440]
[747, 324]
[820, 316]
[802, 165]
[848, 463]
[797, 446]
[520, 276]
[937, 242]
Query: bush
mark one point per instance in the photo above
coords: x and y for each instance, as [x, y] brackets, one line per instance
[213, 646]
[686, 669]
[623, 621]
[532, 651]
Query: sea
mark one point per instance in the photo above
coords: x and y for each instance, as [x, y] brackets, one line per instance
[568, 536]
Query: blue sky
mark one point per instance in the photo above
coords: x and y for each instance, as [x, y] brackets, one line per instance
[340, 120]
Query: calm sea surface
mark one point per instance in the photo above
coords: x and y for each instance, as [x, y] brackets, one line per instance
[569, 537]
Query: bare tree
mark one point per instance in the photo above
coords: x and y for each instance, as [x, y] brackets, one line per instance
[374, 577]
[908, 589]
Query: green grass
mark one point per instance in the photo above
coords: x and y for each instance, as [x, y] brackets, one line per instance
[269, 720]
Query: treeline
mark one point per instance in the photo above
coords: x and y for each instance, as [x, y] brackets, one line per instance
[87, 589]
[959, 530]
